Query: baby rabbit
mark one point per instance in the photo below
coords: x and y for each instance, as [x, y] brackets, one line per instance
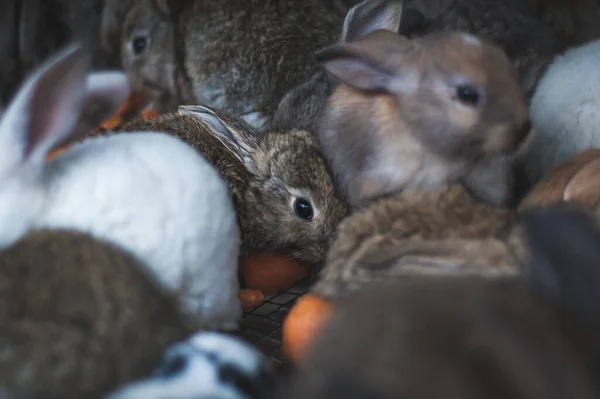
[241, 57]
[532, 337]
[79, 317]
[442, 231]
[564, 111]
[445, 107]
[208, 365]
[149, 193]
[281, 187]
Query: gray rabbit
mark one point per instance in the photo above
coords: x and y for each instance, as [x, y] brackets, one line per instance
[240, 57]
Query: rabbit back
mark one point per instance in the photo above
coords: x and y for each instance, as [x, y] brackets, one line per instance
[79, 317]
[418, 232]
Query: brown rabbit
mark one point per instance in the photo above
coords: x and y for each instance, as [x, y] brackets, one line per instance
[528, 338]
[440, 108]
[426, 232]
[241, 57]
[282, 189]
[78, 317]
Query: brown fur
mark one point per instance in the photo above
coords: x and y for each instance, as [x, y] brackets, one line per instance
[78, 318]
[241, 57]
[552, 189]
[443, 231]
[527, 338]
[263, 170]
[408, 129]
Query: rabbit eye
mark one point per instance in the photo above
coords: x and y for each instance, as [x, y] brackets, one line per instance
[139, 44]
[467, 95]
[303, 209]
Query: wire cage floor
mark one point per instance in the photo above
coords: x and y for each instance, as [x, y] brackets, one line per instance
[262, 326]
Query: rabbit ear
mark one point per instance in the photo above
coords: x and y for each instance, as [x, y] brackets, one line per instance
[105, 93]
[235, 135]
[565, 257]
[371, 15]
[45, 109]
[363, 69]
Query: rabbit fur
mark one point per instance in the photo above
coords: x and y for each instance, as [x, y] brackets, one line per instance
[267, 173]
[529, 337]
[240, 57]
[303, 105]
[442, 231]
[400, 98]
[148, 192]
[564, 110]
[79, 317]
[33, 30]
[207, 365]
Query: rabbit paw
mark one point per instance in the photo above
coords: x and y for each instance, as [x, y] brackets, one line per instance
[209, 364]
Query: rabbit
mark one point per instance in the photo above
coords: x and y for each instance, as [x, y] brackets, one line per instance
[443, 231]
[564, 111]
[239, 57]
[281, 187]
[531, 336]
[148, 192]
[446, 107]
[79, 317]
[32, 30]
[574, 181]
[206, 365]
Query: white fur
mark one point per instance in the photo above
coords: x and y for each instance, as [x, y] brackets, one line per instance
[200, 376]
[150, 193]
[565, 110]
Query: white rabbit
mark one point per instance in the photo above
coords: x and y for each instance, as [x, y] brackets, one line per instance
[207, 365]
[150, 193]
[565, 110]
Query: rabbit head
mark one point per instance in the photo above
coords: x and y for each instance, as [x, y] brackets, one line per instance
[283, 191]
[148, 54]
[528, 337]
[418, 112]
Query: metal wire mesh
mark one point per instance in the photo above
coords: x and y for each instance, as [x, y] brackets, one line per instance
[262, 325]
